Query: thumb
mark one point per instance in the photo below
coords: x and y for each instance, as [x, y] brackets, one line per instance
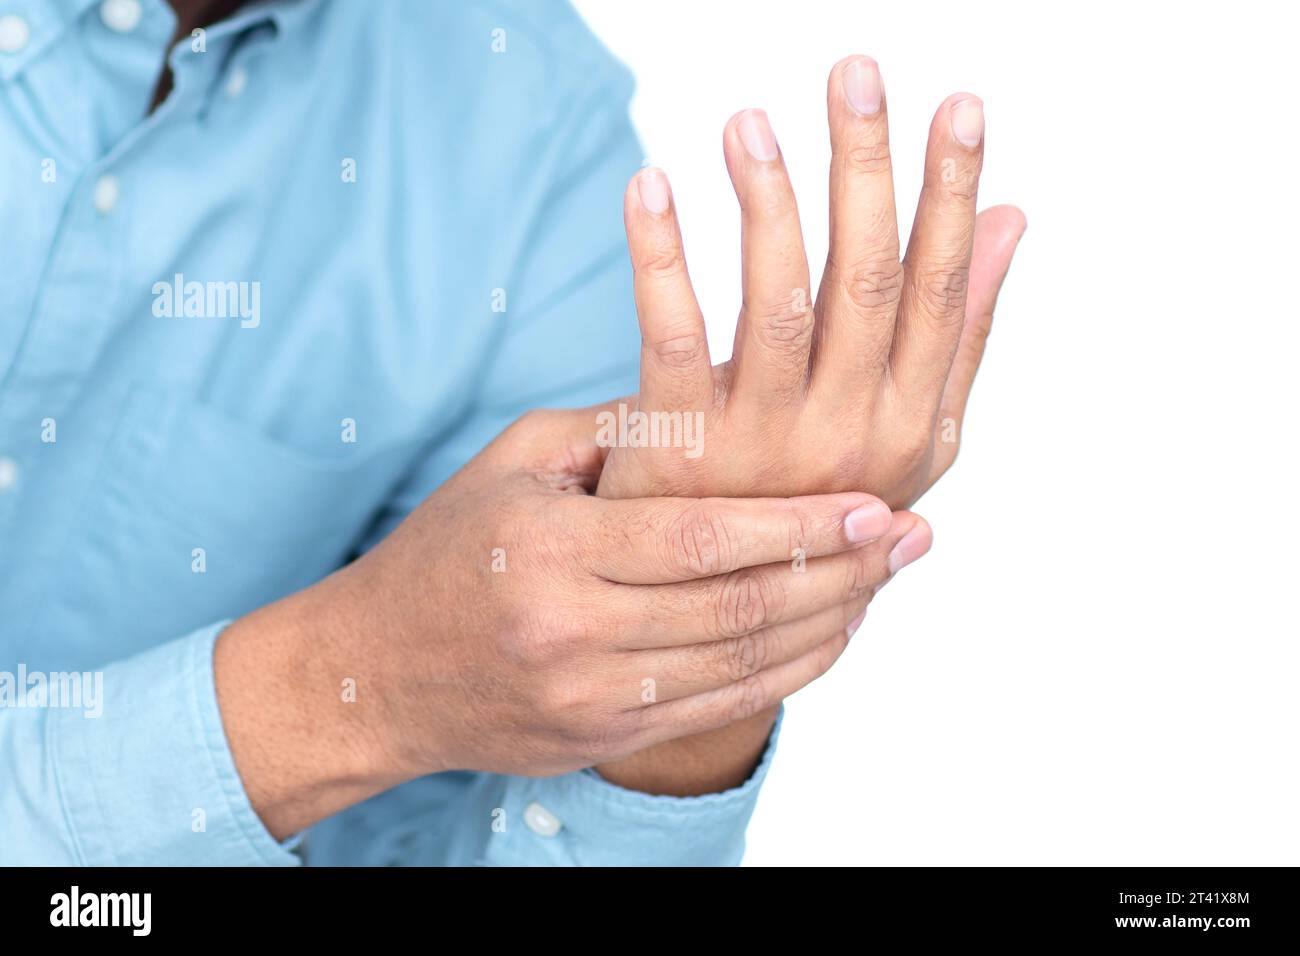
[560, 444]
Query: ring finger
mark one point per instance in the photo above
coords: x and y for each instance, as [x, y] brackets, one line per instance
[660, 675]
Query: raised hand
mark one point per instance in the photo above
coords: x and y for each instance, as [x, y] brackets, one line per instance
[863, 388]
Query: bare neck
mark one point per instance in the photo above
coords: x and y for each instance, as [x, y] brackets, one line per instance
[190, 15]
[201, 13]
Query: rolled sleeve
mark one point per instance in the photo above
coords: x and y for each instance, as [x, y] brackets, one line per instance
[581, 819]
[152, 781]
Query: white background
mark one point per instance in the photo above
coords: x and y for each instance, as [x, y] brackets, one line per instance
[1097, 663]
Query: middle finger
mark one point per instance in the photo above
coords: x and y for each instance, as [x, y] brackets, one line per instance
[748, 600]
[863, 279]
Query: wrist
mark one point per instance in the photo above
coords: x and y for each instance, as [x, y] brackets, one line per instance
[700, 764]
[304, 741]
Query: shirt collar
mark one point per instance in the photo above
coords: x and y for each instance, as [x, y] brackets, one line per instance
[284, 15]
[46, 20]
[289, 15]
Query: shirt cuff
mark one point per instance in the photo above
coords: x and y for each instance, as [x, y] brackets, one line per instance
[151, 780]
[581, 819]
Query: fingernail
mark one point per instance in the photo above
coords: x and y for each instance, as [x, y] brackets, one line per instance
[868, 522]
[652, 185]
[912, 545]
[756, 135]
[862, 87]
[968, 122]
[856, 623]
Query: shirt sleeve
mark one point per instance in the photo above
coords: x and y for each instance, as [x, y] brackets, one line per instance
[581, 819]
[143, 777]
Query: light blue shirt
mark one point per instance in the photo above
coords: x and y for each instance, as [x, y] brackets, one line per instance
[240, 339]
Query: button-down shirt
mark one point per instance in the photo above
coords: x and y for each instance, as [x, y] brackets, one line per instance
[240, 338]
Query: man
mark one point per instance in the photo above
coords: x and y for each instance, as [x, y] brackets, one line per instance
[263, 312]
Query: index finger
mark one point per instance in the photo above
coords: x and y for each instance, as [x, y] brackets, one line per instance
[676, 371]
[667, 540]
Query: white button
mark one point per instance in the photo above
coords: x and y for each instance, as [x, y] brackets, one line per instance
[541, 821]
[8, 473]
[238, 80]
[107, 192]
[14, 33]
[121, 16]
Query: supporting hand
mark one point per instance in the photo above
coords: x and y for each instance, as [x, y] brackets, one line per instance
[516, 624]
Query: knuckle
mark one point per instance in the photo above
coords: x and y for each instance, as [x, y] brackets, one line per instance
[959, 190]
[781, 326]
[700, 543]
[828, 653]
[570, 703]
[770, 205]
[562, 699]
[859, 576]
[964, 190]
[601, 740]
[536, 639]
[749, 698]
[944, 462]
[913, 453]
[941, 291]
[870, 159]
[953, 181]
[680, 351]
[557, 553]
[741, 656]
[662, 262]
[618, 533]
[747, 601]
[874, 285]
[801, 530]
[977, 335]
[850, 610]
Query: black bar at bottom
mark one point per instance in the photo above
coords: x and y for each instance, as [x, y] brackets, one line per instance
[656, 908]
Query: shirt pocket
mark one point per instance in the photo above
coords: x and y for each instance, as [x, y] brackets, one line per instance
[195, 517]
